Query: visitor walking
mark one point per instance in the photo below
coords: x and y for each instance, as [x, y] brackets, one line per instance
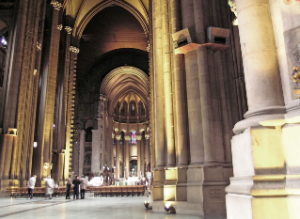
[68, 187]
[31, 184]
[83, 185]
[76, 183]
[49, 187]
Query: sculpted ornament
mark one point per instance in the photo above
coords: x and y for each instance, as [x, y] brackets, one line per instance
[56, 5]
[60, 27]
[68, 29]
[296, 80]
[74, 49]
[232, 5]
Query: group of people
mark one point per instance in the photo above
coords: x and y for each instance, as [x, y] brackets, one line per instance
[76, 183]
[50, 185]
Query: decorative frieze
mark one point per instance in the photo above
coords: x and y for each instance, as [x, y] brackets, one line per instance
[74, 49]
[56, 5]
[60, 27]
[68, 29]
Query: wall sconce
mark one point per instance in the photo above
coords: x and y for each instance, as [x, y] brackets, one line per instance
[35, 144]
[169, 208]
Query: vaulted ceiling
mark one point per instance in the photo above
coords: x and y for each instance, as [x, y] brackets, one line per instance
[82, 11]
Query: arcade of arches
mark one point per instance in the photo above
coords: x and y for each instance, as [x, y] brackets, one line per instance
[87, 85]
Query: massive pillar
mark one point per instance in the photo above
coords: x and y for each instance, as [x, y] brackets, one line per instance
[147, 153]
[262, 179]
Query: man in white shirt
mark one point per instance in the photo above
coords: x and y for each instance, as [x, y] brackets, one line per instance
[83, 185]
[31, 184]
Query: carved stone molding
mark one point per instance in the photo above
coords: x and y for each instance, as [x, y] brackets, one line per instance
[56, 5]
[232, 5]
[38, 46]
[138, 137]
[127, 138]
[60, 27]
[68, 29]
[74, 49]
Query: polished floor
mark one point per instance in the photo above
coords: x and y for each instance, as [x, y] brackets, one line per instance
[98, 207]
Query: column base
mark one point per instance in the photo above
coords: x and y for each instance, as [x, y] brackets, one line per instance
[248, 207]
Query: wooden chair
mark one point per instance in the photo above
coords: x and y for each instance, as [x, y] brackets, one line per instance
[130, 190]
[107, 190]
[114, 190]
[124, 190]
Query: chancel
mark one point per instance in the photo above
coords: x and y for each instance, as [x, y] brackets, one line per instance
[195, 101]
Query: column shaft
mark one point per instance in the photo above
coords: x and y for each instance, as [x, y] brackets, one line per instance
[260, 59]
[160, 133]
[169, 118]
[118, 155]
[194, 109]
[138, 138]
[180, 97]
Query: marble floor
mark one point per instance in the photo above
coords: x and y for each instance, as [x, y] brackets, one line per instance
[98, 207]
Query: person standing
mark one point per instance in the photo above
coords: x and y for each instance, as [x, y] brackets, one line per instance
[31, 184]
[76, 183]
[68, 187]
[83, 185]
[49, 187]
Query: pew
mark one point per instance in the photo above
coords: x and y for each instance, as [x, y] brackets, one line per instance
[101, 190]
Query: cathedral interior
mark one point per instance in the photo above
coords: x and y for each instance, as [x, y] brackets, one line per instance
[201, 98]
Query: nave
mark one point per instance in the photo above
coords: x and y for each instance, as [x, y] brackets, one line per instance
[90, 207]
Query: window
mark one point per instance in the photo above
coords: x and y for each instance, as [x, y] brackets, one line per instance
[132, 137]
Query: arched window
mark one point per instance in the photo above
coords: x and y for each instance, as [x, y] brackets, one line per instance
[132, 137]
[124, 109]
[132, 109]
[116, 111]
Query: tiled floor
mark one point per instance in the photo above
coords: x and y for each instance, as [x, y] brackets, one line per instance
[98, 207]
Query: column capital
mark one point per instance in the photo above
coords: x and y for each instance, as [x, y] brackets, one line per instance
[147, 136]
[56, 5]
[118, 137]
[74, 49]
[138, 137]
[68, 29]
[127, 138]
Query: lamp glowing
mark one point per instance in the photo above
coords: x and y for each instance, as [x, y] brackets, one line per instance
[35, 144]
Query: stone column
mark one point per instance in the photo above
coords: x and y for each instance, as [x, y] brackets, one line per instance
[138, 144]
[160, 133]
[142, 158]
[261, 179]
[127, 156]
[168, 94]
[118, 138]
[179, 74]
[61, 162]
[147, 153]
[81, 152]
[8, 141]
[263, 85]
[194, 109]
